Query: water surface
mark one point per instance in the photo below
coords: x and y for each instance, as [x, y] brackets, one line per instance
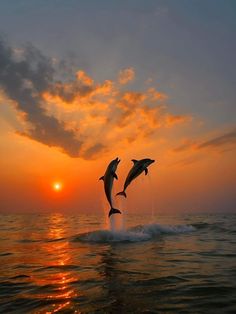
[59, 263]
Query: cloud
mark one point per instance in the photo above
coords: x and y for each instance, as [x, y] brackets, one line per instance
[187, 145]
[187, 161]
[93, 151]
[218, 142]
[82, 117]
[176, 119]
[126, 76]
[222, 140]
[23, 77]
[84, 78]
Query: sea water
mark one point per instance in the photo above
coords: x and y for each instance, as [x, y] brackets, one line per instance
[61, 263]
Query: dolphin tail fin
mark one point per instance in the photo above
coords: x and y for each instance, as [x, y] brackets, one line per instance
[114, 211]
[122, 193]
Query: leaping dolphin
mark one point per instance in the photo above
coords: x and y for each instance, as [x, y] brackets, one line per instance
[108, 179]
[138, 167]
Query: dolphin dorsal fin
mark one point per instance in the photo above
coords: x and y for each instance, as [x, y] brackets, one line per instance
[134, 161]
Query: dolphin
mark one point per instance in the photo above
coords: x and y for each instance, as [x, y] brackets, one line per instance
[138, 167]
[108, 179]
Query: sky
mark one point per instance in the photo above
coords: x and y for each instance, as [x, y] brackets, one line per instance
[84, 82]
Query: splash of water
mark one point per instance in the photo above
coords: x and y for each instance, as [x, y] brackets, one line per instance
[116, 222]
[151, 198]
[136, 234]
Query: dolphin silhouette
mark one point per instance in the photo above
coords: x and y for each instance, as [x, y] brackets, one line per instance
[138, 167]
[108, 179]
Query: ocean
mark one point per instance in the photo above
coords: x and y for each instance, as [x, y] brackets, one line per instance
[61, 263]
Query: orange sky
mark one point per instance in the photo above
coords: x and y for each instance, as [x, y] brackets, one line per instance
[191, 174]
[148, 80]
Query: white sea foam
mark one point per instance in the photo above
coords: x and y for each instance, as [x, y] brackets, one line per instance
[135, 234]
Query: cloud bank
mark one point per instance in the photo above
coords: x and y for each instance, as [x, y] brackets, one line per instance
[82, 117]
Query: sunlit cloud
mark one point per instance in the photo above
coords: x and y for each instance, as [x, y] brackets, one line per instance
[80, 116]
[84, 78]
[126, 76]
[176, 119]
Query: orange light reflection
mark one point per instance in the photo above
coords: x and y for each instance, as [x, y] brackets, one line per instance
[57, 260]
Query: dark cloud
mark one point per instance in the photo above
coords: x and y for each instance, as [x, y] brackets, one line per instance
[68, 92]
[224, 139]
[23, 78]
[93, 151]
[218, 142]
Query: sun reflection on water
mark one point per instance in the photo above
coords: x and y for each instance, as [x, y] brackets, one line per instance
[57, 265]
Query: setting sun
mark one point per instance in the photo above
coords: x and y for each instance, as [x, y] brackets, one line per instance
[57, 186]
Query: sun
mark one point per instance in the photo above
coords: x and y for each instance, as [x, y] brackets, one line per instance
[57, 186]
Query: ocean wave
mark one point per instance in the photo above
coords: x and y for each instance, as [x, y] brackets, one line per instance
[216, 226]
[201, 225]
[136, 234]
[156, 229]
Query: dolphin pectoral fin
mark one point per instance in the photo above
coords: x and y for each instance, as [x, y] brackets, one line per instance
[122, 193]
[101, 178]
[115, 175]
[114, 211]
[134, 161]
[146, 171]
